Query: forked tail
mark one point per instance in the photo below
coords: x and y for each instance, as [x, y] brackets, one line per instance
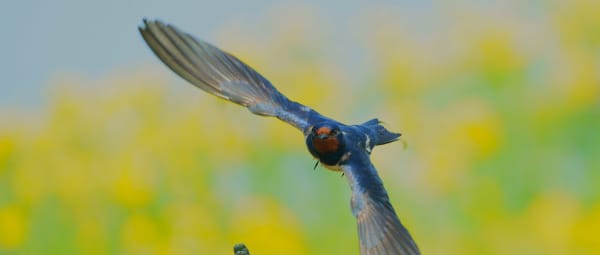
[382, 135]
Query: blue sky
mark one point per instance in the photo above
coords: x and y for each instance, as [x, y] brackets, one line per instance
[42, 39]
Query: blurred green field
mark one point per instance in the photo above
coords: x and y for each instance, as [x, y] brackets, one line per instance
[499, 111]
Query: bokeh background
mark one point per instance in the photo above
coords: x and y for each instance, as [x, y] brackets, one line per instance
[104, 151]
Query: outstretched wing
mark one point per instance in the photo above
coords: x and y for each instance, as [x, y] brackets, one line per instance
[379, 229]
[222, 74]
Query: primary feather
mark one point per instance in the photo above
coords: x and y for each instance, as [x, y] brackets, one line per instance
[379, 229]
[211, 69]
[222, 74]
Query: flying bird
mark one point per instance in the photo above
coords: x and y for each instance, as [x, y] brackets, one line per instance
[337, 146]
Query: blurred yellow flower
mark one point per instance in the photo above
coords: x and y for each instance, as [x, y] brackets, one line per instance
[141, 235]
[267, 228]
[192, 229]
[133, 187]
[92, 237]
[7, 147]
[498, 54]
[585, 232]
[583, 88]
[550, 221]
[501, 120]
[13, 227]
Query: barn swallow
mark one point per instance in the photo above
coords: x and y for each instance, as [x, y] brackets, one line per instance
[337, 146]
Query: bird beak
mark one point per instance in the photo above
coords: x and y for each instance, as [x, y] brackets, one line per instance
[322, 136]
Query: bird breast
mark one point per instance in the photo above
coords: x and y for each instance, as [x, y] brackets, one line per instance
[327, 145]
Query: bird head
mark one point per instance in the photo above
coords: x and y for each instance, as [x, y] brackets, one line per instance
[326, 138]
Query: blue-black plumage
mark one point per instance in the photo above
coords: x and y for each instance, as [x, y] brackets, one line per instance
[337, 146]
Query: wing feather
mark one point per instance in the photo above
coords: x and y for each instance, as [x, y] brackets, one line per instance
[222, 74]
[379, 229]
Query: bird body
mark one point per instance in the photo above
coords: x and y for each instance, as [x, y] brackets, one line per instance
[337, 146]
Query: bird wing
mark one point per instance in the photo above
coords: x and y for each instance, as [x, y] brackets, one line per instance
[222, 74]
[379, 229]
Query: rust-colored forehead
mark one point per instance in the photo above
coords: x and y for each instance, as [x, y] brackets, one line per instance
[323, 130]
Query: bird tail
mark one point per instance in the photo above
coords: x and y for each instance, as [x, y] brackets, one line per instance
[382, 135]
